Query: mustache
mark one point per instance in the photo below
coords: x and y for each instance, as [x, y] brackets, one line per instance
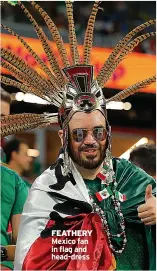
[89, 146]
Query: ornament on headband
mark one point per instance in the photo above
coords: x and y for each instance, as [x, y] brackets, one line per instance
[74, 87]
[82, 93]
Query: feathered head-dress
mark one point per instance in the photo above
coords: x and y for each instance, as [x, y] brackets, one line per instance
[72, 88]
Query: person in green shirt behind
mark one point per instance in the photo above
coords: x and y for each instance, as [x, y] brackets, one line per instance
[144, 156]
[17, 158]
[13, 195]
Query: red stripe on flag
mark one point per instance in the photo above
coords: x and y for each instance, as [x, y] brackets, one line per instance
[124, 197]
[99, 197]
[101, 176]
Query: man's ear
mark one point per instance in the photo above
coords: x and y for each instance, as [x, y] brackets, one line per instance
[13, 155]
[60, 133]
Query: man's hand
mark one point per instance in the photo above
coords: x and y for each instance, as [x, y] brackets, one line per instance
[147, 211]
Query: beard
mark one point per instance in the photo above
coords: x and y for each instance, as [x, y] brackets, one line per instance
[85, 161]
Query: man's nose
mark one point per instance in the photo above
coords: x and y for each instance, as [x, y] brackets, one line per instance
[89, 139]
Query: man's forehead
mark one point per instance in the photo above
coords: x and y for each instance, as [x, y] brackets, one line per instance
[87, 120]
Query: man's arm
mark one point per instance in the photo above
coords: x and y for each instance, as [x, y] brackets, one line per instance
[7, 253]
[15, 222]
[20, 199]
[147, 211]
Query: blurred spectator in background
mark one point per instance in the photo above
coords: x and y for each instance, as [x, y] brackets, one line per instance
[13, 196]
[144, 157]
[5, 103]
[17, 158]
[5, 110]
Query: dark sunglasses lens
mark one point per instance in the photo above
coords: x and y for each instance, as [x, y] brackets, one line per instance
[99, 134]
[79, 135]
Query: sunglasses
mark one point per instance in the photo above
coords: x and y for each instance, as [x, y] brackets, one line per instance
[80, 134]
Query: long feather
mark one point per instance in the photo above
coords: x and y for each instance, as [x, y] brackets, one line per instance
[23, 87]
[36, 57]
[23, 67]
[13, 124]
[88, 41]
[55, 34]
[134, 43]
[128, 49]
[24, 78]
[54, 99]
[30, 84]
[72, 34]
[117, 50]
[60, 81]
[15, 72]
[131, 90]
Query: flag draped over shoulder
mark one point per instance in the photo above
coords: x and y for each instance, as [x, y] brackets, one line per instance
[58, 202]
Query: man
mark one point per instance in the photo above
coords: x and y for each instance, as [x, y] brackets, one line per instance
[5, 103]
[17, 158]
[144, 156]
[5, 110]
[69, 197]
[13, 196]
[88, 211]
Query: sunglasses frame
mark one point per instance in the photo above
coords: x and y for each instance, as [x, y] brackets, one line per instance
[88, 130]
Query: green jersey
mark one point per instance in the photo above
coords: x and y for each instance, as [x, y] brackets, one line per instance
[28, 185]
[132, 181]
[13, 196]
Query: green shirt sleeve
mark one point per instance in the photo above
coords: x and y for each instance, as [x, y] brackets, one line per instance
[132, 182]
[8, 264]
[21, 196]
[28, 185]
[14, 195]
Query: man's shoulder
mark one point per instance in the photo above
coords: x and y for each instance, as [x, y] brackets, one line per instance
[6, 170]
[122, 163]
[46, 179]
[29, 185]
[10, 175]
[126, 172]
[125, 165]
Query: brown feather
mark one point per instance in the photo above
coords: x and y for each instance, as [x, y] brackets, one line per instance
[134, 43]
[24, 78]
[88, 41]
[117, 50]
[128, 49]
[72, 34]
[13, 124]
[49, 97]
[131, 90]
[23, 67]
[60, 79]
[55, 34]
[23, 87]
[36, 57]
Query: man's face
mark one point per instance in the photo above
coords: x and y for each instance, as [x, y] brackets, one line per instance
[90, 152]
[5, 108]
[21, 158]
